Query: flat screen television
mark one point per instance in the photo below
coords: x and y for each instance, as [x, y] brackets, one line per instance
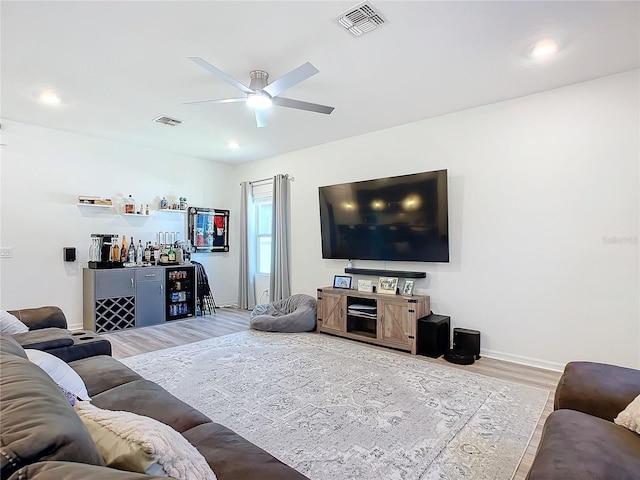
[403, 218]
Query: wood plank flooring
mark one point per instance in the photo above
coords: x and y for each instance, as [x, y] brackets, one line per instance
[228, 320]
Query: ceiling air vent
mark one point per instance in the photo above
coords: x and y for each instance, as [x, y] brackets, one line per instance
[360, 19]
[167, 120]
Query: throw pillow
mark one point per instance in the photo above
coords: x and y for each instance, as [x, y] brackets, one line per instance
[630, 416]
[61, 373]
[10, 324]
[132, 442]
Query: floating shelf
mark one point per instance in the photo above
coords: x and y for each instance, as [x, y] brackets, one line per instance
[385, 273]
[171, 210]
[93, 205]
[135, 215]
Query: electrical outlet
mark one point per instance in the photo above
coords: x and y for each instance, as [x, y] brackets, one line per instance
[6, 252]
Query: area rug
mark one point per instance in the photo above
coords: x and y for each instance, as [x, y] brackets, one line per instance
[334, 409]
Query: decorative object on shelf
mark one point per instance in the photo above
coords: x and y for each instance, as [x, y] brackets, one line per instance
[209, 229]
[365, 286]
[388, 285]
[130, 205]
[94, 201]
[342, 281]
[163, 203]
[408, 288]
[183, 203]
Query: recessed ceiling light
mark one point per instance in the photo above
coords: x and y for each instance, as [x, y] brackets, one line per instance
[233, 144]
[50, 98]
[544, 48]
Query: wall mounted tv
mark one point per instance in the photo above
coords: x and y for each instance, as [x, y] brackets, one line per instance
[402, 218]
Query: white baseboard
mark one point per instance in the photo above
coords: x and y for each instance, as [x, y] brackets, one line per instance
[522, 360]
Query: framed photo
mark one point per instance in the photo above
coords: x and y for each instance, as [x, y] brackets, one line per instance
[388, 285]
[408, 288]
[341, 281]
[365, 286]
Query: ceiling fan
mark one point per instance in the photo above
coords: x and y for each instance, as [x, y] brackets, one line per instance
[260, 94]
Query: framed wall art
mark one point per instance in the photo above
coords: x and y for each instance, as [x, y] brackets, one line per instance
[341, 281]
[209, 229]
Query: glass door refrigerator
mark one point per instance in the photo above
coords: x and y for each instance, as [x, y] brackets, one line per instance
[180, 287]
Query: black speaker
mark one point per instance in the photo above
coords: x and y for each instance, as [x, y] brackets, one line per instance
[433, 335]
[467, 340]
[69, 254]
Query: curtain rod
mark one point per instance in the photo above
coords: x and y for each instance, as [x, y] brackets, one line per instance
[270, 179]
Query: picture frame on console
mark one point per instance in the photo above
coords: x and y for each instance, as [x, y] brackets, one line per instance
[388, 285]
[342, 281]
[365, 286]
[408, 288]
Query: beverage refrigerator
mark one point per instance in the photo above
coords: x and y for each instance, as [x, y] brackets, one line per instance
[180, 290]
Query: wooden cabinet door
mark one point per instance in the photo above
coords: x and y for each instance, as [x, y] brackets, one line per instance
[396, 323]
[333, 312]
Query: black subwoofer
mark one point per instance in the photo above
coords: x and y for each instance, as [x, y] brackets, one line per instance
[434, 335]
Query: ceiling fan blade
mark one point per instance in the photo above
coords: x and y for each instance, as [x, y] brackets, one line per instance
[311, 107]
[261, 117]
[222, 100]
[290, 79]
[219, 73]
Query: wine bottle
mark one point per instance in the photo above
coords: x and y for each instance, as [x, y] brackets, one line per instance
[147, 252]
[132, 252]
[171, 253]
[139, 253]
[124, 253]
[116, 250]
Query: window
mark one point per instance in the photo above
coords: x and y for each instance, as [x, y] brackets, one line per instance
[263, 234]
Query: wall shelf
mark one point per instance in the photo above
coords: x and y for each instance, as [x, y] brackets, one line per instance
[171, 210]
[93, 205]
[135, 215]
[385, 273]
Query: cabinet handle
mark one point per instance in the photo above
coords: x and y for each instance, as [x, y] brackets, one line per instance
[341, 313]
[382, 319]
[150, 275]
[131, 282]
[161, 287]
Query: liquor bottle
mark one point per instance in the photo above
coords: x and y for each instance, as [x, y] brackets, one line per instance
[171, 253]
[130, 205]
[147, 210]
[139, 253]
[116, 250]
[147, 252]
[124, 253]
[132, 252]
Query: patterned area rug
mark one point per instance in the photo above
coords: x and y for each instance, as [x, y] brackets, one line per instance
[338, 410]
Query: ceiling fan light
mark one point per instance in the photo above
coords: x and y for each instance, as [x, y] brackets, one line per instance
[259, 101]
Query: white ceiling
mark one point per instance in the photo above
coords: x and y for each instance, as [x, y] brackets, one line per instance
[118, 65]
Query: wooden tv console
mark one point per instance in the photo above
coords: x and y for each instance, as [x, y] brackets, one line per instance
[381, 319]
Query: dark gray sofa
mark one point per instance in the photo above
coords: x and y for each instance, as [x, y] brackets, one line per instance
[579, 440]
[42, 437]
[48, 332]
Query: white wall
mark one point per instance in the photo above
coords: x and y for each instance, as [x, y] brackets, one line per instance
[42, 173]
[543, 212]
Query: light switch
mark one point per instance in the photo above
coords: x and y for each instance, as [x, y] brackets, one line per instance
[6, 252]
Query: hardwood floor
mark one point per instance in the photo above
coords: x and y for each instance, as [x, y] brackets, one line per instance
[227, 320]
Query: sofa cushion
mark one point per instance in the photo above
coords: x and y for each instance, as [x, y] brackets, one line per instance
[37, 421]
[75, 471]
[9, 345]
[101, 373]
[233, 458]
[135, 443]
[597, 389]
[41, 317]
[45, 338]
[577, 446]
[151, 400]
[10, 325]
[61, 373]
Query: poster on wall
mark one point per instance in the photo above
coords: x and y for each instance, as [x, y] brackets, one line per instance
[209, 229]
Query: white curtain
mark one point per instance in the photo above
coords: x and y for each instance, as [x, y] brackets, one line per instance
[280, 280]
[246, 291]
